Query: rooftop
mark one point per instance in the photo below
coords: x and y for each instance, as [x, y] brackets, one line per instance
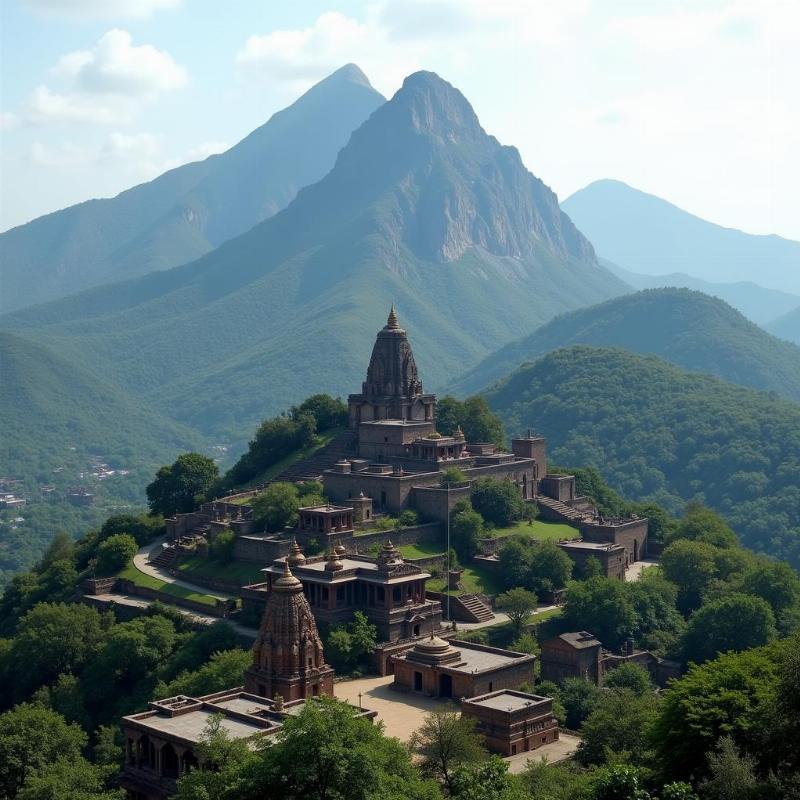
[581, 544]
[580, 639]
[477, 658]
[507, 700]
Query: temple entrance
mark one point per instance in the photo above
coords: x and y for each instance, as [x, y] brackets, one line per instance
[445, 685]
[635, 550]
[417, 681]
[524, 487]
[169, 761]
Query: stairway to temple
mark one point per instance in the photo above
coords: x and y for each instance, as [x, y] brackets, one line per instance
[165, 558]
[311, 468]
[473, 608]
[562, 511]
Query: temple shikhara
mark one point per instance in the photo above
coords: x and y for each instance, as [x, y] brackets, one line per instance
[337, 561]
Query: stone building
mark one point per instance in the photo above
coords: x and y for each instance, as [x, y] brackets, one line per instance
[388, 590]
[399, 454]
[610, 557]
[288, 670]
[437, 668]
[571, 655]
[512, 722]
[288, 659]
[581, 655]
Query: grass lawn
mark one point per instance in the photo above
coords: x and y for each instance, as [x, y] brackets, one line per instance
[238, 572]
[551, 531]
[271, 472]
[474, 579]
[149, 582]
[420, 550]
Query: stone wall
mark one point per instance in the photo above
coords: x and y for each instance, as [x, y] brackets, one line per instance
[630, 533]
[260, 549]
[432, 501]
[221, 609]
[426, 533]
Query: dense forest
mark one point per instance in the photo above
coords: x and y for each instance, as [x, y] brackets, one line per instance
[659, 433]
[688, 328]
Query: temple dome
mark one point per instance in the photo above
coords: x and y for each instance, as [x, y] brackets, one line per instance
[392, 371]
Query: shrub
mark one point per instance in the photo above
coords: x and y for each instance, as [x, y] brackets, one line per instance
[115, 553]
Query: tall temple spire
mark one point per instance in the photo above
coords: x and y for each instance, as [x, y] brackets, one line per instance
[287, 654]
[392, 322]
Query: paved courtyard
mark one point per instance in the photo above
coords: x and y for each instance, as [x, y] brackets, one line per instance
[635, 570]
[402, 713]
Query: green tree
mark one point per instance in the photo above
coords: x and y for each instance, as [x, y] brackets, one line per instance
[726, 696]
[69, 779]
[549, 567]
[408, 518]
[445, 742]
[497, 501]
[629, 676]
[114, 553]
[602, 606]
[326, 751]
[618, 723]
[488, 780]
[732, 622]
[773, 581]
[691, 566]
[731, 774]
[453, 475]
[473, 416]
[328, 412]
[701, 524]
[619, 782]
[222, 546]
[526, 643]
[515, 562]
[466, 532]
[32, 738]
[277, 506]
[544, 781]
[519, 604]
[176, 488]
[579, 697]
[223, 670]
[51, 639]
[61, 548]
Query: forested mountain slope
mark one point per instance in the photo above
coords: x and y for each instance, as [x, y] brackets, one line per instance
[688, 328]
[190, 210]
[423, 208]
[658, 432]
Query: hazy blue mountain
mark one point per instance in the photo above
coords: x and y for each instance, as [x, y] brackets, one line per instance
[190, 210]
[787, 326]
[657, 432]
[422, 208]
[645, 234]
[688, 328]
[757, 303]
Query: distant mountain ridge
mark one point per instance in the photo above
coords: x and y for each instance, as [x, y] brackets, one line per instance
[760, 305]
[787, 326]
[422, 208]
[657, 432]
[190, 210]
[643, 233]
[688, 328]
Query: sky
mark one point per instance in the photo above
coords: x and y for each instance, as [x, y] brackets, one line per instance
[696, 102]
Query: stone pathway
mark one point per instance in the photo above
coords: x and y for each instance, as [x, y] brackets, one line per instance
[638, 567]
[556, 751]
[141, 562]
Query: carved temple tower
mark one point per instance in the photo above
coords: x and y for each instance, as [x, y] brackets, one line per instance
[287, 655]
[392, 390]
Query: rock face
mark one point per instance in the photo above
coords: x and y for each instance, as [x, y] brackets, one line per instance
[460, 187]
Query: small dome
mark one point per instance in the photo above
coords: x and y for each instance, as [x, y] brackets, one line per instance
[340, 549]
[296, 557]
[287, 582]
[432, 645]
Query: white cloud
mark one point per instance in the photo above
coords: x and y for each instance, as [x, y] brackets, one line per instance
[116, 66]
[107, 84]
[306, 52]
[102, 9]
[8, 121]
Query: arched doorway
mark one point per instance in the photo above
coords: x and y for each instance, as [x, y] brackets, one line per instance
[445, 685]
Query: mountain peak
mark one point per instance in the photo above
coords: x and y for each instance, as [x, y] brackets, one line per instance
[349, 73]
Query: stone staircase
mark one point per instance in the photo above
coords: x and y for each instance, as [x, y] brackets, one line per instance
[165, 558]
[473, 608]
[562, 511]
[340, 447]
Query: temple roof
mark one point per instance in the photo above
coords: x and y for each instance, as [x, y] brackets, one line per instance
[392, 371]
